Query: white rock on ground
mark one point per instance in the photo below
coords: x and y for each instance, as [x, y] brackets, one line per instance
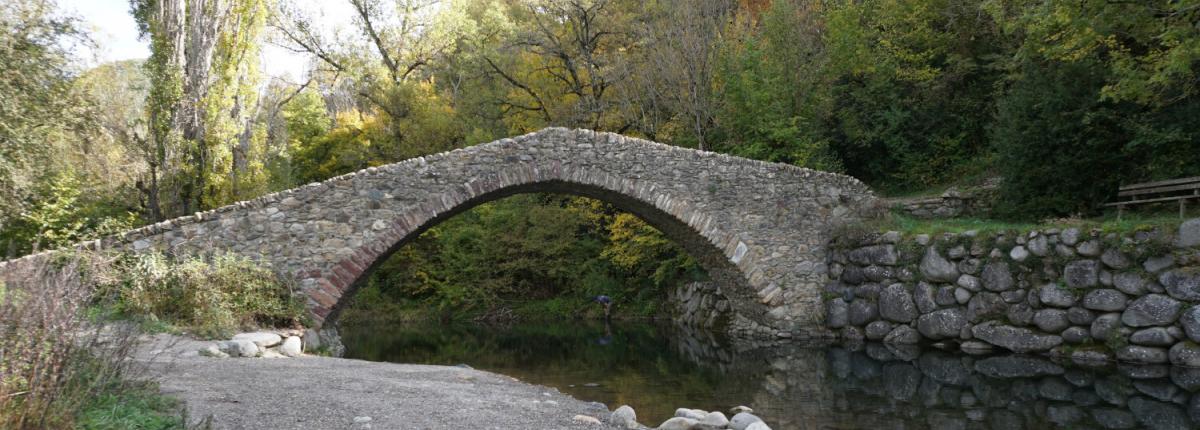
[715, 419]
[261, 338]
[759, 425]
[239, 348]
[212, 350]
[678, 423]
[586, 419]
[694, 414]
[624, 417]
[740, 409]
[290, 346]
[743, 420]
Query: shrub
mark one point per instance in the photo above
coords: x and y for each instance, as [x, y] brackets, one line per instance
[55, 365]
[211, 297]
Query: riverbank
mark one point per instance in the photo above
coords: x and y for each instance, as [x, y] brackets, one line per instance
[322, 392]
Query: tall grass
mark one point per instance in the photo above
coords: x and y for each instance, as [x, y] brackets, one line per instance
[54, 362]
[61, 367]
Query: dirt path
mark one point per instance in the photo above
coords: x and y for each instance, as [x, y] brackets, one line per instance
[331, 393]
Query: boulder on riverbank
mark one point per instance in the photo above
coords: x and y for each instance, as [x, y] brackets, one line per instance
[262, 344]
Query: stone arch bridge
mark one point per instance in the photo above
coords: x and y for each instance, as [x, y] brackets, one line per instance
[759, 229]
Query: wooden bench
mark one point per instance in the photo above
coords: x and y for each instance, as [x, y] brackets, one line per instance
[1158, 192]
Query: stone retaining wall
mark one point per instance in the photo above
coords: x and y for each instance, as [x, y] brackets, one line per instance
[954, 202]
[699, 304]
[1083, 294]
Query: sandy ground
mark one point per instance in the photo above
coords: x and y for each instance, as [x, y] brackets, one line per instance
[312, 392]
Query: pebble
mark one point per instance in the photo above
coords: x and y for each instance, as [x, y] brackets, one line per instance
[586, 419]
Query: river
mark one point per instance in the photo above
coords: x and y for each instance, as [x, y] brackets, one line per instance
[657, 368]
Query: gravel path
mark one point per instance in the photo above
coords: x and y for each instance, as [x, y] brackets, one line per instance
[331, 393]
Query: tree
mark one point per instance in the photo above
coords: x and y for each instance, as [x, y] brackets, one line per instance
[112, 154]
[192, 113]
[767, 109]
[41, 112]
[1150, 52]
[563, 68]
[1052, 135]
[681, 43]
[912, 89]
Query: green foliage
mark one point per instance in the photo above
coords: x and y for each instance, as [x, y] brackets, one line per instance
[1097, 86]
[757, 120]
[351, 145]
[542, 256]
[364, 139]
[911, 88]
[62, 370]
[1053, 134]
[1150, 50]
[43, 118]
[64, 216]
[905, 95]
[643, 252]
[209, 297]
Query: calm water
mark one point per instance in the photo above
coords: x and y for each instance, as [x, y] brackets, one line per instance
[656, 369]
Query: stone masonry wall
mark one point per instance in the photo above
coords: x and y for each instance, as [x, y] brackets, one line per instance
[700, 304]
[1083, 294]
[954, 202]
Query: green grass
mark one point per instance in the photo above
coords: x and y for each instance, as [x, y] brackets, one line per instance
[106, 312]
[1107, 224]
[138, 406]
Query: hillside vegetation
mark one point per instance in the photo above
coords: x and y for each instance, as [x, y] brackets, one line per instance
[1061, 100]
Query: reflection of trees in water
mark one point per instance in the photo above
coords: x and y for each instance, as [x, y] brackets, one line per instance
[633, 363]
[657, 369]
